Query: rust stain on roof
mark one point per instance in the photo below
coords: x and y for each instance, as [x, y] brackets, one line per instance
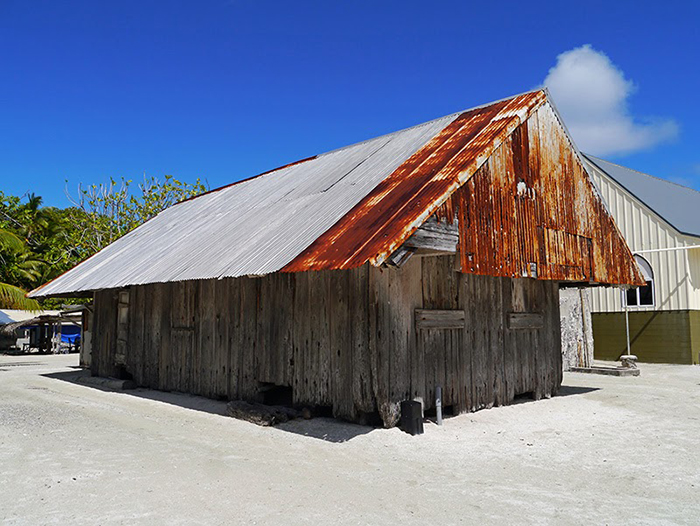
[393, 211]
[509, 175]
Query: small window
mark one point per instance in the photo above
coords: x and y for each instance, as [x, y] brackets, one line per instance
[642, 296]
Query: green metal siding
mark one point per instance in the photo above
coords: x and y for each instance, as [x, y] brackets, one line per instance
[655, 336]
[695, 336]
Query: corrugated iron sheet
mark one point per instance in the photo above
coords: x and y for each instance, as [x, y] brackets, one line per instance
[253, 227]
[335, 211]
[388, 215]
[531, 211]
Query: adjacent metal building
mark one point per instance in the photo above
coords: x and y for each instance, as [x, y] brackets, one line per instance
[661, 222]
[368, 275]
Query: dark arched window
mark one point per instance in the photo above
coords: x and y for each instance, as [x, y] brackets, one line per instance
[641, 296]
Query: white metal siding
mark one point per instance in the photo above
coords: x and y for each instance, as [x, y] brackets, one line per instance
[694, 277]
[676, 273]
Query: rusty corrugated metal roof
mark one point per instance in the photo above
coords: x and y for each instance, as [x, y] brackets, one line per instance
[389, 214]
[532, 211]
[338, 210]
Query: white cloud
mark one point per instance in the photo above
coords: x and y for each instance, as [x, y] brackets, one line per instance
[591, 94]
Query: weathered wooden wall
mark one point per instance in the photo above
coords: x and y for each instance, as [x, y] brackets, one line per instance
[343, 338]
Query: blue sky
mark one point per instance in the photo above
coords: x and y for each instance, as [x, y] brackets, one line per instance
[225, 89]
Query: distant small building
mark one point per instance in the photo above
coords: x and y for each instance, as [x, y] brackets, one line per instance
[39, 331]
[661, 222]
[366, 276]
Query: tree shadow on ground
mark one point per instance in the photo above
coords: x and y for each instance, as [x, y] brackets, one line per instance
[321, 428]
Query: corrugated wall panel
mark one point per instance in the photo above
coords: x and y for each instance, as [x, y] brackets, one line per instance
[694, 278]
[676, 273]
[531, 211]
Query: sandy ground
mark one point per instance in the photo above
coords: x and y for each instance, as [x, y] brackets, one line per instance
[606, 451]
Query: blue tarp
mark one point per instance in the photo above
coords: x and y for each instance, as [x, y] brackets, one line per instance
[70, 333]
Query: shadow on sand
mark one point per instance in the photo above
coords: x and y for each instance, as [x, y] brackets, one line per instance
[326, 429]
[320, 428]
[568, 390]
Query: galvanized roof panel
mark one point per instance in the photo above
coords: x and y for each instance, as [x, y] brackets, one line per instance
[676, 204]
[253, 227]
[334, 211]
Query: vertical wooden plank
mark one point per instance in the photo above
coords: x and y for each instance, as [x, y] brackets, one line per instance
[153, 306]
[275, 325]
[189, 343]
[285, 318]
[137, 317]
[534, 303]
[467, 344]
[312, 351]
[97, 334]
[362, 390]
[147, 314]
[179, 340]
[175, 337]
[104, 337]
[480, 341]
[165, 354]
[440, 337]
[417, 359]
[207, 336]
[235, 344]
[510, 343]
[432, 341]
[453, 339]
[542, 363]
[222, 324]
[405, 290]
[318, 359]
[301, 336]
[485, 295]
[380, 333]
[497, 349]
[266, 330]
[340, 344]
[531, 337]
[248, 385]
[197, 376]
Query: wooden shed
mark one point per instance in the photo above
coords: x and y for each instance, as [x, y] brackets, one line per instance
[365, 276]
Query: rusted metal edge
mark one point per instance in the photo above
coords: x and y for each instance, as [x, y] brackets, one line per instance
[392, 212]
[581, 160]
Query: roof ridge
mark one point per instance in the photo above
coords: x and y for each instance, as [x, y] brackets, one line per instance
[431, 121]
[352, 145]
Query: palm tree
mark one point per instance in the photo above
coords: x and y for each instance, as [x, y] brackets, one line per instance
[12, 297]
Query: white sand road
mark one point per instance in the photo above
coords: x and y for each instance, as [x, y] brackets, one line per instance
[607, 451]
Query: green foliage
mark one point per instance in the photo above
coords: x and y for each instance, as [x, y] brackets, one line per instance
[103, 213]
[39, 243]
[12, 297]
[12, 246]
